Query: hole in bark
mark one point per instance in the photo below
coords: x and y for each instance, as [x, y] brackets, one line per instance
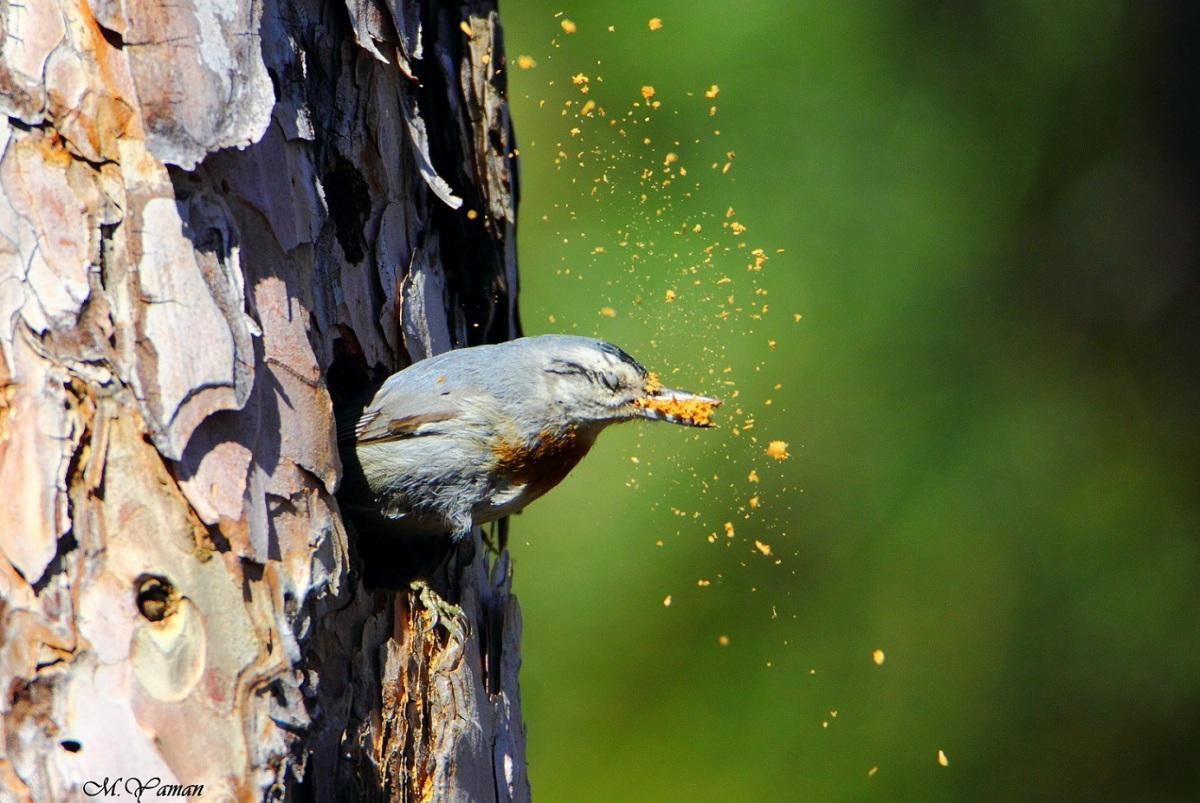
[349, 201]
[156, 597]
[71, 746]
[114, 38]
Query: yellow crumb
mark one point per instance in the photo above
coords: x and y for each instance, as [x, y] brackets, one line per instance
[526, 62]
[763, 548]
[655, 23]
[778, 450]
[568, 26]
[608, 312]
[753, 476]
[945, 762]
[647, 92]
[670, 295]
[877, 657]
[723, 641]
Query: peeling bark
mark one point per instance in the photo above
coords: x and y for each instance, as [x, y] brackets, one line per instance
[216, 221]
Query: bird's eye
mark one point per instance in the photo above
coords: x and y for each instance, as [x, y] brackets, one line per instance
[609, 380]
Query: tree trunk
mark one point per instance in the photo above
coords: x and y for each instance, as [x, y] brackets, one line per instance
[216, 220]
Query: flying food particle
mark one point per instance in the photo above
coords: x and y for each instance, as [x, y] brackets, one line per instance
[878, 657]
[568, 26]
[778, 450]
[655, 23]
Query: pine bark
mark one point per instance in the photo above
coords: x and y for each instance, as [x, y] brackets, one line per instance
[217, 221]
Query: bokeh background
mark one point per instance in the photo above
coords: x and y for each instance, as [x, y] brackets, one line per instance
[972, 318]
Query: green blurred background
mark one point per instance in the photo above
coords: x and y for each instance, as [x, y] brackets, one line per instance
[986, 215]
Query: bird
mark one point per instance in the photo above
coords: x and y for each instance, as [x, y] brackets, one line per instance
[475, 434]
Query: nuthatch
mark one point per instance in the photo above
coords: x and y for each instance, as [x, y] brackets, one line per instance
[472, 435]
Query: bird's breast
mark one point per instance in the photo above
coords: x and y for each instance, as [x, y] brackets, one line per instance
[542, 462]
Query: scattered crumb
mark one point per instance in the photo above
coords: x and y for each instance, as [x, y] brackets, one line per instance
[753, 476]
[667, 601]
[872, 771]
[712, 91]
[763, 548]
[945, 762]
[670, 295]
[778, 450]
[723, 641]
[568, 26]
[472, 214]
[878, 657]
[729, 529]
[753, 502]
[526, 62]
[608, 312]
[655, 23]
[703, 583]
[647, 92]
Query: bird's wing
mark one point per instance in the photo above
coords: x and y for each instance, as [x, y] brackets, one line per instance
[375, 427]
[401, 411]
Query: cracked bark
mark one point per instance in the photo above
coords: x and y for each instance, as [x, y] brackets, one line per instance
[215, 223]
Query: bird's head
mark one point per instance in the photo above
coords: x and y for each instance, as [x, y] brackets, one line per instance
[593, 382]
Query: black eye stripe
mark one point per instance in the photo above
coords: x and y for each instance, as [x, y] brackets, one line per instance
[608, 379]
[565, 368]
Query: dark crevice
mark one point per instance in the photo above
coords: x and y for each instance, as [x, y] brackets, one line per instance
[349, 200]
[114, 38]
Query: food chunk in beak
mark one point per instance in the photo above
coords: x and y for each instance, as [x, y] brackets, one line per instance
[677, 407]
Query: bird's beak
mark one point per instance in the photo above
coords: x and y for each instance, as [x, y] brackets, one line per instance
[677, 407]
